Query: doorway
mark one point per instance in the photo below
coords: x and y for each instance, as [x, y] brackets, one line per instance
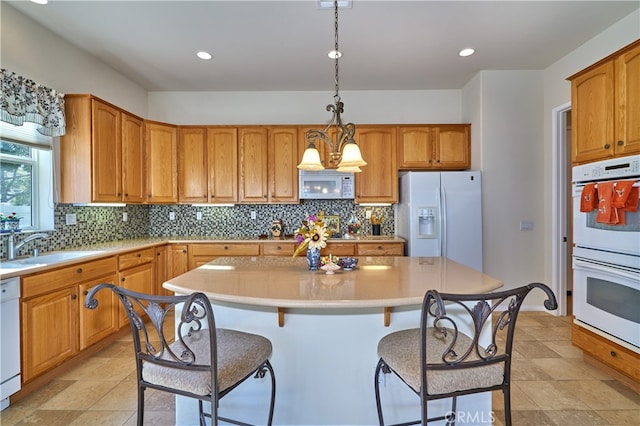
[561, 232]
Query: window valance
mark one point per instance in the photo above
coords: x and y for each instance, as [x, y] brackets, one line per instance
[24, 100]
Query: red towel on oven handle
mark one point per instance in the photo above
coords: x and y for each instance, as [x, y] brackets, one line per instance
[588, 198]
[606, 214]
[621, 193]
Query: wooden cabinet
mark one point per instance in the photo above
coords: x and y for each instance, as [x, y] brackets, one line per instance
[100, 154]
[51, 314]
[199, 254]
[378, 181]
[278, 249]
[253, 165]
[160, 270]
[605, 107]
[208, 165]
[177, 260]
[380, 249]
[161, 162]
[282, 167]
[619, 358]
[136, 273]
[222, 161]
[441, 147]
[96, 324]
[338, 248]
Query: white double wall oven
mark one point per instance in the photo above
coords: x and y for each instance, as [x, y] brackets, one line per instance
[606, 258]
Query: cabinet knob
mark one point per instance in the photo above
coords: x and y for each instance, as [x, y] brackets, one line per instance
[184, 251]
[79, 270]
[607, 146]
[139, 255]
[613, 353]
[379, 247]
[126, 194]
[74, 296]
[85, 292]
[620, 143]
[226, 247]
[122, 279]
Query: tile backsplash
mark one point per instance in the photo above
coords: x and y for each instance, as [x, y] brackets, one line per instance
[104, 224]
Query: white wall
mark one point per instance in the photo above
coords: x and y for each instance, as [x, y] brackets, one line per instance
[33, 51]
[508, 106]
[360, 107]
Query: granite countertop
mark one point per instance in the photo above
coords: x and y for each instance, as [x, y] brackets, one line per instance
[121, 246]
[282, 282]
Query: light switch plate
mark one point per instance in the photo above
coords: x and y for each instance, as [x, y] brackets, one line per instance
[70, 219]
[198, 215]
[125, 216]
[172, 216]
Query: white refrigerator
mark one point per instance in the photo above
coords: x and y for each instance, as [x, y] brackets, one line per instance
[440, 214]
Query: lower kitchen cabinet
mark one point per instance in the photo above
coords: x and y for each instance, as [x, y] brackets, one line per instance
[199, 254]
[96, 324]
[380, 249]
[177, 260]
[53, 311]
[136, 273]
[160, 270]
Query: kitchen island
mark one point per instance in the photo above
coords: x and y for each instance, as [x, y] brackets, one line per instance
[325, 329]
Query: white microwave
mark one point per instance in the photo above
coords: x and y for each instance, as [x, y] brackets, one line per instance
[326, 185]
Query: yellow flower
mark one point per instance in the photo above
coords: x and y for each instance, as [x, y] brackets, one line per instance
[313, 233]
[317, 237]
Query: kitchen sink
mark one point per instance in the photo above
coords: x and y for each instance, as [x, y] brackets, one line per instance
[45, 259]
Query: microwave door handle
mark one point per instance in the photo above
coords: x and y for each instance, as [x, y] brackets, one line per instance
[608, 270]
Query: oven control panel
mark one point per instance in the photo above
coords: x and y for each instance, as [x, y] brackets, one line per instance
[614, 168]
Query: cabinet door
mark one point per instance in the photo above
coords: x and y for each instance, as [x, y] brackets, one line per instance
[628, 91]
[378, 181]
[49, 331]
[139, 279]
[222, 153]
[106, 153]
[282, 167]
[177, 260]
[192, 166]
[415, 148]
[253, 165]
[96, 324]
[160, 269]
[452, 146]
[592, 109]
[162, 164]
[133, 177]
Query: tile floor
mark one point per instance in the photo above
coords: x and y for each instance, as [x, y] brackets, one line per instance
[551, 385]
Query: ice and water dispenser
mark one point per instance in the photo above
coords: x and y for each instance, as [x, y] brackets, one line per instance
[427, 222]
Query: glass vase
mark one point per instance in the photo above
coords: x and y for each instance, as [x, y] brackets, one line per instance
[313, 258]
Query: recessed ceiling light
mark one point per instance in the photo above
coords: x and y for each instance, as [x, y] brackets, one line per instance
[334, 53]
[40, 1]
[342, 4]
[466, 52]
[204, 55]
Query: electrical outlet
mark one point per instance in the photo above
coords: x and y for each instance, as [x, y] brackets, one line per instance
[70, 219]
[198, 215]
[253, 215]
[367, 214]
[172, 216]
[125, 216]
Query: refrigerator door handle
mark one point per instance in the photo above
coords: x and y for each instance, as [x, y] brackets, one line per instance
[443, 222]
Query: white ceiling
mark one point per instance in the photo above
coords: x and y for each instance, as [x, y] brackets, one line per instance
[283, 45]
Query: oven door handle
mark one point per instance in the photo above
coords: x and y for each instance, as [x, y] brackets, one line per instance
[605, 269]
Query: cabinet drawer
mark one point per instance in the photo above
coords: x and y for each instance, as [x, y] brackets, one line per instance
[278, 249]
[64, 277]
[380, 249]
[135, 258]
[241, 249]
[339, 249]
[607, 352]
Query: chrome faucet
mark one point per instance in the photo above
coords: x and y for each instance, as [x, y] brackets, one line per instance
[13, 247]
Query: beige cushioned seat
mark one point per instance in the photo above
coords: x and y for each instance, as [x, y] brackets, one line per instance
[401, 351]
[231, 367]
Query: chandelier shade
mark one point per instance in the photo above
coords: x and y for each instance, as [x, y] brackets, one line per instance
[342, 144]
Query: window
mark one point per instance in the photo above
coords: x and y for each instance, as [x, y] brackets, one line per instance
[26, 186]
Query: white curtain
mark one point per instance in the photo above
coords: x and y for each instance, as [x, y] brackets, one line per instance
[24, 100]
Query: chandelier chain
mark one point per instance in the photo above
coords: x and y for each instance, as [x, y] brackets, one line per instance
[336, 52]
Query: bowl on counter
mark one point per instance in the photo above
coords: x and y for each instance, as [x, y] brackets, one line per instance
[348, 263]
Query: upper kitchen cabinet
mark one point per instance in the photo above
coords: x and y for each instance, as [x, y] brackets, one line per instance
[208, 165]
[100, 154]
[440, 147]
[378, 181]
[282, 152]
[267, 158]
[605, 107]
[161, 162]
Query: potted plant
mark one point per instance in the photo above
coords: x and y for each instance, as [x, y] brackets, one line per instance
[13, 221]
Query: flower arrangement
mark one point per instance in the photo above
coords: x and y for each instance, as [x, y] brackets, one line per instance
[10, 217]
[312, 234]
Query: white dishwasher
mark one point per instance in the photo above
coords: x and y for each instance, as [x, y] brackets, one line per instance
[9, 339]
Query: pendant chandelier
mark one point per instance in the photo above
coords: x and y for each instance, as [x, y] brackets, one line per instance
[344, 149]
